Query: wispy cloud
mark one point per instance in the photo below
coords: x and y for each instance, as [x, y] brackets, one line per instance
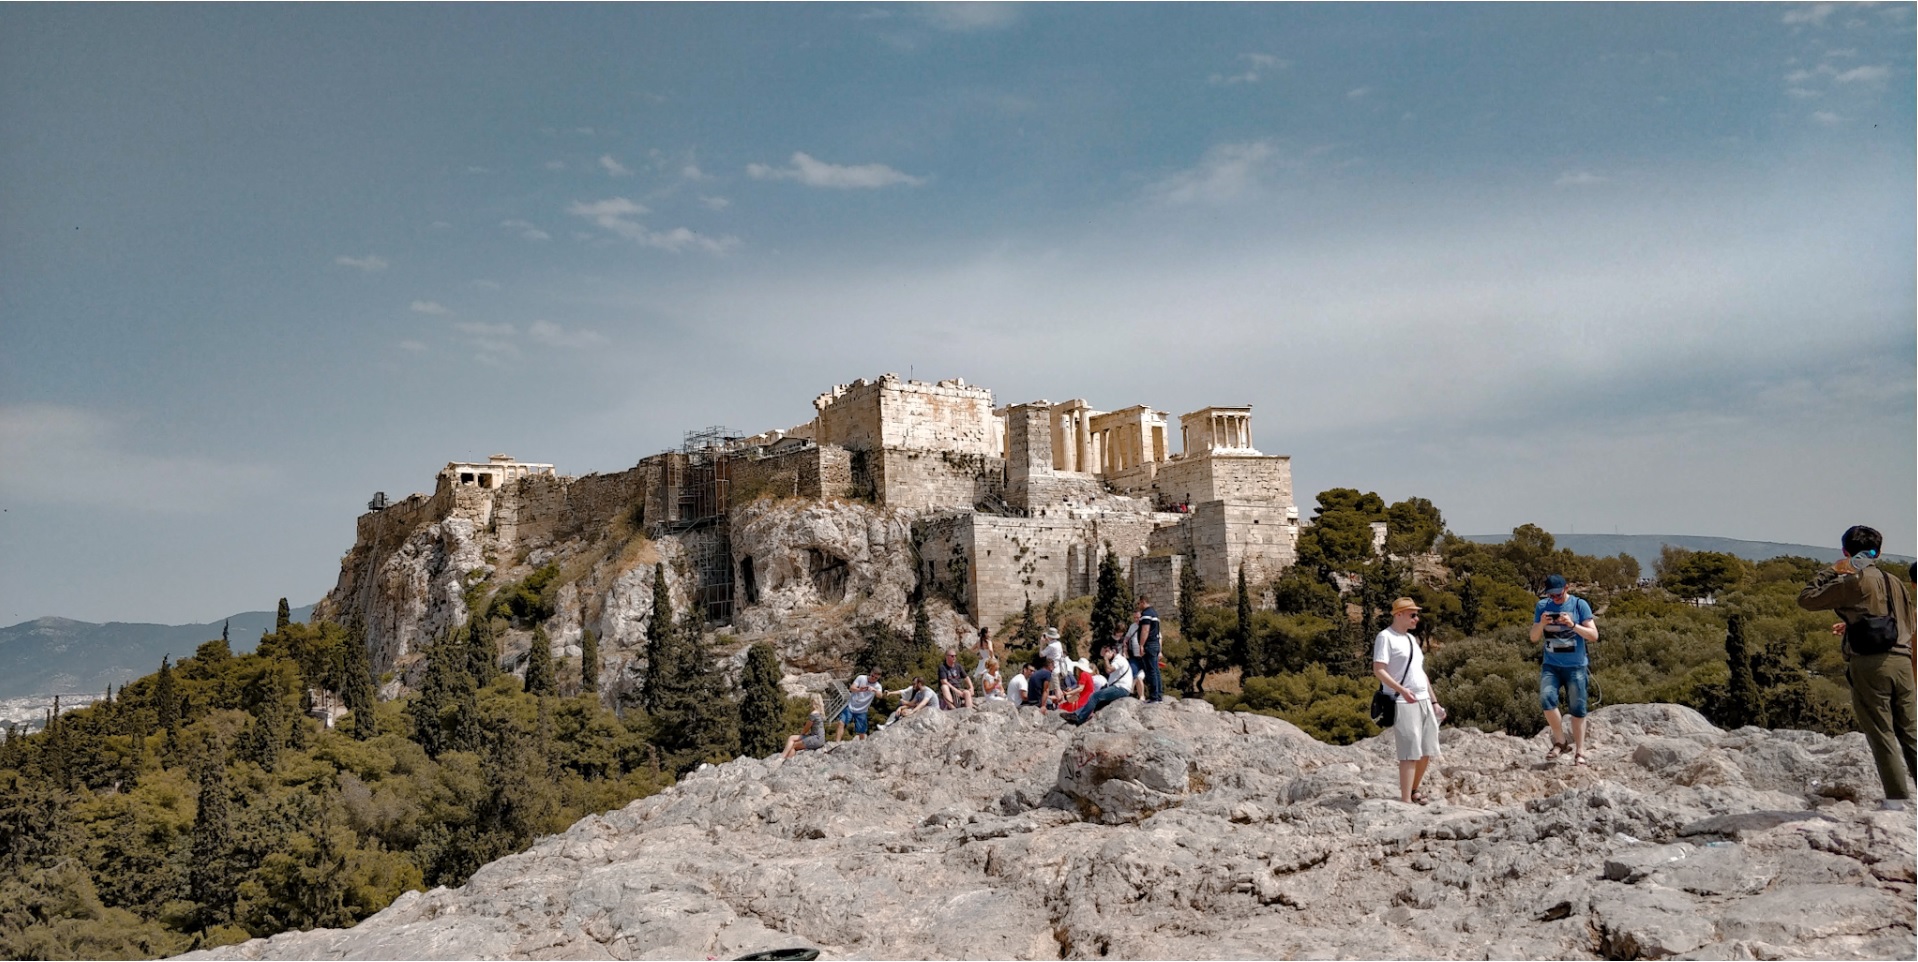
[61, 455]
[1579, 178]
[553, 335]
[817, 173]
[714, 203]
[1814, 14]
[1862, 75]
[613, 167]
[434, 308]
[617, 215]
[486, 284]
[526, 230]
[692, 172]
[968, 17]
[1257, 66]
[1228, 173]
[415, 347]
[1827, 118]
[1357, 93]
[370, 263]
[555, 165]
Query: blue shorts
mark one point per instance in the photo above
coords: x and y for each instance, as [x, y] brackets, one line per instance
[1573, 678]
[856, 718]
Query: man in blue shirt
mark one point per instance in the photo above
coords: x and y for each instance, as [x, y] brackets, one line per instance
[1563, 621]
[1149, 640]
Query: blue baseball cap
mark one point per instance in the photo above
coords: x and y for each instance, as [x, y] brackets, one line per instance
[1555, 584]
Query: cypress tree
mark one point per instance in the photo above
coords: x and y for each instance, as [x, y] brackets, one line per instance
[1242, 653]
[442, 711]
[589, 662]
[539, 664]
[694, 717]
[762, 707]
[210, 878]
[1112, 601]
[1743, 704]
[922, 640]
[357, 688]
[1469, 604]
[166, 696]
[482, 651]
[1190, 590]
[283, 618]
[661, 641]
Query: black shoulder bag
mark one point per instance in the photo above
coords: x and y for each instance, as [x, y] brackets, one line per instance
[1385, 704]
[1875, 634]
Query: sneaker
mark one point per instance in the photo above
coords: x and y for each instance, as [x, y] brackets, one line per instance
[1894, 805]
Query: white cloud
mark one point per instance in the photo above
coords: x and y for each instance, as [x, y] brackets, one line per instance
[526, 230]
[1260, 63]
[1800, 93]
[412, 346]
[1228, 173]
[968, 17]
[692, 172]
[1579, 178]
[715, 203]
[1862, 75]
[486, 284]
[370, 263]
[1827, 118]
[434, 308]
[1357, 93]
[555, 165]
[483, 329]
[617, 215]
[816, 173]
[61, 455]
[553, 335]
[613, 167]
[1814, 14]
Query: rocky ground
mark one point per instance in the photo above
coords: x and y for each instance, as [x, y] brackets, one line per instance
[1173, 831]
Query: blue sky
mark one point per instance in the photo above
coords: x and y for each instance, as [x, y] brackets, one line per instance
[1643, 268]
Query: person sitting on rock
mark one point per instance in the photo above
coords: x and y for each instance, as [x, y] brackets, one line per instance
[955, 686]
[1021, 683]
[913, 699]
[1039, 691]
[1079, 685]
[990, 687]
[1118, 685]
[814, 737]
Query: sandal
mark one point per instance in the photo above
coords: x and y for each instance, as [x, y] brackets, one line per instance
[1558, 748]
[1420, 798]
[1579, 760]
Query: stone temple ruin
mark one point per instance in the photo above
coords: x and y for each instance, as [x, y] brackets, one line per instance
[1007, 503]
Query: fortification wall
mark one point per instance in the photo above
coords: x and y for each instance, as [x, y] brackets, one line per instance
[1156, 577]
[1220, 477]
[812, 472]
[1007, 560]
[893, 413]
[932, 480]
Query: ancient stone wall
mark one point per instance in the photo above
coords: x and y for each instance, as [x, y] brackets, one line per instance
[1226, 534]
[1003, 561]
[1156, 577]
[908, 478]
[895, 413]
[812, 472]
[1223, 477]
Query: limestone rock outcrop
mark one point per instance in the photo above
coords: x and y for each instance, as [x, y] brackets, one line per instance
[1173, 831]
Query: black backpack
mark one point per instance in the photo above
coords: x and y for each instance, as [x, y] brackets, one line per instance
[1876, 634]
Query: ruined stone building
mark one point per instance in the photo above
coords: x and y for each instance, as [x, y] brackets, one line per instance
[1004, 503]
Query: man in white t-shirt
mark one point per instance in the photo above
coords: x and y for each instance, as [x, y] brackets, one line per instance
[858, 706]
[1054, 654]
[1399, 665]
[1016, 688]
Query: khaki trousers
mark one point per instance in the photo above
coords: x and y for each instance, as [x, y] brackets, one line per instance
[1881, 701]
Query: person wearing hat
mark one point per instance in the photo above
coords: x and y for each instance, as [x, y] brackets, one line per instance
[1399, 665]
[1564, 622]
[1054, 654]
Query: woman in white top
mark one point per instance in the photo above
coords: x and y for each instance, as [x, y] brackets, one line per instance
[1399, 665]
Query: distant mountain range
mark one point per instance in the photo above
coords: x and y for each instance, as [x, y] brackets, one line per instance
[1646, 547]
[54, 656]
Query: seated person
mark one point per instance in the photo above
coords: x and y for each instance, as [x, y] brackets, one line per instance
[1039, 693]
[1079, 684]
[955, 686]
[1016, 688]
[990, 687]
[1118, 685]
[814, 737]
[913, 699]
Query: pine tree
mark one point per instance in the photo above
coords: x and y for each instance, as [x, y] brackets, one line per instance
[589, 662]
[762, 706]
[283, 618]
[694, 717]
[539, 664]
[210, 877]
[661, 641]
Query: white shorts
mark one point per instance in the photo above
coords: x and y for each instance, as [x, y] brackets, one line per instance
[1416, 730]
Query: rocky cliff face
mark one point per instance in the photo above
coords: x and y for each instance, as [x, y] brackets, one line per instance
[818, 569]
[1172, 831]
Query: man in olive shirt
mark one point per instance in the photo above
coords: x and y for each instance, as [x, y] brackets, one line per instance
[1881, 681]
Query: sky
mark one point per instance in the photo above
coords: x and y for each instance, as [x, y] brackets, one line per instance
[1644, 269]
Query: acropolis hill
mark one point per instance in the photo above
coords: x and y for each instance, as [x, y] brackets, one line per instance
[895, 489]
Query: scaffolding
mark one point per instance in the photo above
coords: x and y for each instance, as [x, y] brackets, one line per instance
[700, 481]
